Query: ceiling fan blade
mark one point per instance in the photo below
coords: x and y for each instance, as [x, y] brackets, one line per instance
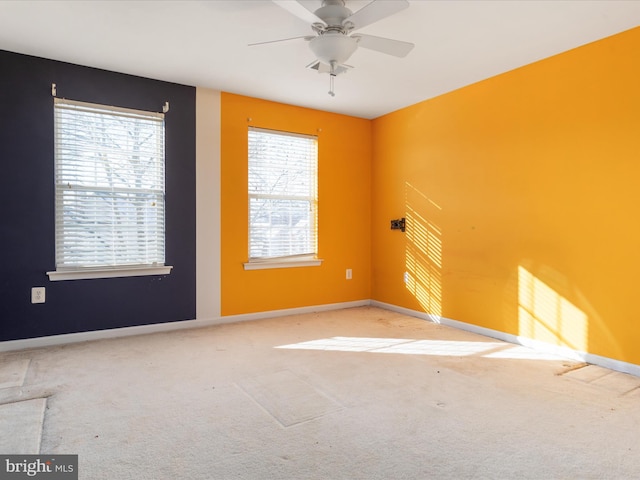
[299, 11]
[384, 45]
[374, 11]
[306, 37]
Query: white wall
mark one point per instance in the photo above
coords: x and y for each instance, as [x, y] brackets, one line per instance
[207, 204]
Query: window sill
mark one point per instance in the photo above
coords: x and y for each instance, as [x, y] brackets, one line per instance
[102, 272]
[280, 263]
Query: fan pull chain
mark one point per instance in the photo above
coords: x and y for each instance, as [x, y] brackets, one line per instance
[331, 77]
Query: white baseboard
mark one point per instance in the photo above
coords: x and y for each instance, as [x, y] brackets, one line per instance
[537, 345]
[293, 311]
[54, 340]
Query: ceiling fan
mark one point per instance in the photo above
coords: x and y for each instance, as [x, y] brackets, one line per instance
[334, 41]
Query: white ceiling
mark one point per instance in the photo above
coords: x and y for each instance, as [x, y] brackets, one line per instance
[204, 43]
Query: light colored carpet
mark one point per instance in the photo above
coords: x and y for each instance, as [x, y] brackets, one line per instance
[287, 398]
[12, 373]
[361, 393]
[21, 426]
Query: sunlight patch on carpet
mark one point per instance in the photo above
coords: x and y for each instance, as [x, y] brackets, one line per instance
[398, 345]
[443, 348]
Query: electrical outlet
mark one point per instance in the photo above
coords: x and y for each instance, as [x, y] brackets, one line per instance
[37, 295]
[349, 274]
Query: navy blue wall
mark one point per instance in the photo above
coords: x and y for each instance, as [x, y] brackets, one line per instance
[27, 242]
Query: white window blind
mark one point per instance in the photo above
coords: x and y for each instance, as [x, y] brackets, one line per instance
[109, 174]
[282, 195]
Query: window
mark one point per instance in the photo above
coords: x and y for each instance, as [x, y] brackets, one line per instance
[109, 187]
[282, 199]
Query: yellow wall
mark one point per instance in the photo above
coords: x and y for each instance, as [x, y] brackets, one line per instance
[522, 195]
[344, 196]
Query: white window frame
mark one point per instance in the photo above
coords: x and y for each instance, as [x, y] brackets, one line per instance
[309, 259]
[75, 270]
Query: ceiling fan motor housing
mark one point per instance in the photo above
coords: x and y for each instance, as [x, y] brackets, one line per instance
[333, 13]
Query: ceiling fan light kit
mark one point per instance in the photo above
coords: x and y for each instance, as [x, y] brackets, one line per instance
[333, 48]
[333, 24]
